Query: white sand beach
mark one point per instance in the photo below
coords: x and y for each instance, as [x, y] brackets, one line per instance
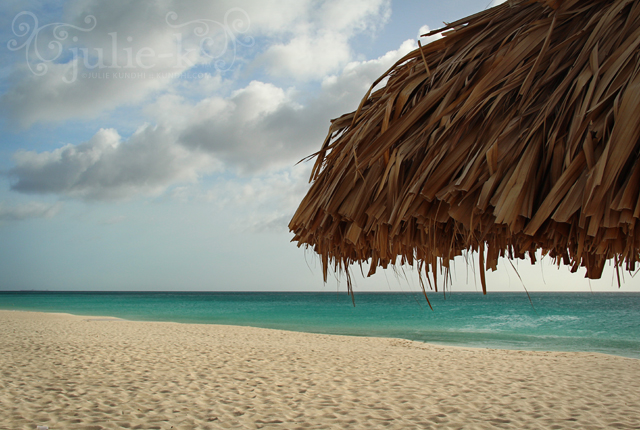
[76, 372]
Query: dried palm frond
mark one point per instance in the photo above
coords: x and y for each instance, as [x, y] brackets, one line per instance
[518, 131]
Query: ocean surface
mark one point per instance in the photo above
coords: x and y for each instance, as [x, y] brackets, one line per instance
[595, 322]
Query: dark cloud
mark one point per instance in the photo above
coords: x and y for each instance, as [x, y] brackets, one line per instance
[257, 129]
[118, 52]
[262, 126]
[106, 168]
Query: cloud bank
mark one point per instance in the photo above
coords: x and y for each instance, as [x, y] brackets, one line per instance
[256, 129]
[107, 168]
[103, 55]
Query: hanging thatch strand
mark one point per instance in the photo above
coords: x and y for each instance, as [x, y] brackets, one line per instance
[518, 131]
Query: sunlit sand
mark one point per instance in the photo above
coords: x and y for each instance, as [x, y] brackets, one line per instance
[63, 371]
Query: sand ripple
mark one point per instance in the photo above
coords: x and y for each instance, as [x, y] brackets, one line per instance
[71, 372]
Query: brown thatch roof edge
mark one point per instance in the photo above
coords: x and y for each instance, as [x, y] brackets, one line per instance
[518, 131]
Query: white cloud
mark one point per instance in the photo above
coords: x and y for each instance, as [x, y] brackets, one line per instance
[131, 51]
[106, 168]
[257, 129]
[28, 210]
[262, 126]
[355, 79]
[320, 44]
[250, 130]
[270, 199]
[353, 15]
[117, 52]
[307, 56]
[427, 39]
[49, 98]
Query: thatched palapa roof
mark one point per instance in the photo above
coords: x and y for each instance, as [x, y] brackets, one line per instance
[518, 131]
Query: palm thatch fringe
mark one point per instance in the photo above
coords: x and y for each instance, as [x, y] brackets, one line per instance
[518, 131]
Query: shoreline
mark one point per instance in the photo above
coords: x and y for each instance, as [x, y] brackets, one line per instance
[95, 372]
[437, 344]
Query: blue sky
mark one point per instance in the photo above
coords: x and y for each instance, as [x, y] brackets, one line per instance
[152, 145]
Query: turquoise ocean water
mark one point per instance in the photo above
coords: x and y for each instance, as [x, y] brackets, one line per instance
[596, 322]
